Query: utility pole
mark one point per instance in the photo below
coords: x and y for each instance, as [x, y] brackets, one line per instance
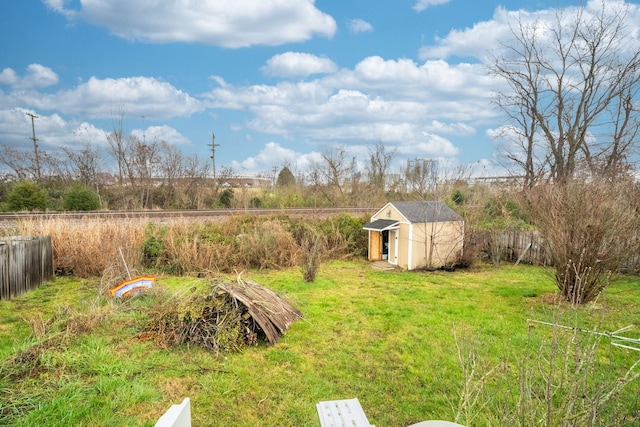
[35, 143]
[213, 146]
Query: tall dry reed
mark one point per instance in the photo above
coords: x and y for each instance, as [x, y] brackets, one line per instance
[91, 247]
[86, 247]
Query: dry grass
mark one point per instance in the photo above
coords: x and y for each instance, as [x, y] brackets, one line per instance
[91, 247]
[87, 247]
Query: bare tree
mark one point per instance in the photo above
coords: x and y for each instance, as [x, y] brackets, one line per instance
[22, 163]
[85, 164]
[194, 181]
[144, 163]
[378, 169]
[121, 147]
[19, 162]
[573, 93]
[171, 167]
[421, 177]
[379, 164]
[329, 176]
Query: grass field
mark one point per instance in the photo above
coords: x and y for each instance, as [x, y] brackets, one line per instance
[408, 345]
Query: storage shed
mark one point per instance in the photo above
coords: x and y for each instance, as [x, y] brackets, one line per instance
[413, 235]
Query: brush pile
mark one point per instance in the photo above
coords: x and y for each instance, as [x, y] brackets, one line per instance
[224, 318]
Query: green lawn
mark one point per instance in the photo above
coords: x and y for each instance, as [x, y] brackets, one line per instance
[387, 338]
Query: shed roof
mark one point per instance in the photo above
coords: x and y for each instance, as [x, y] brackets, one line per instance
[426, 211]
[381, 225]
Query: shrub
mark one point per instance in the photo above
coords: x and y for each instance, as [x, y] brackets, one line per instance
[458, 197]
[226, 198]
[285, 178]
[267, 245]
[346, 230]
[27, 196]
[589, 231]
[255, 202]
[312, 245]
[80, 198]
[152, 247]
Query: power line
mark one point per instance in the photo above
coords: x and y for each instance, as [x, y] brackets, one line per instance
[35, 143]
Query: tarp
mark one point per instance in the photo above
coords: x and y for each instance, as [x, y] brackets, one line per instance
[133, 286]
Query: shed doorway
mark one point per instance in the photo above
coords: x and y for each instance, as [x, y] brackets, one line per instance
[380, 244]
[385, 245]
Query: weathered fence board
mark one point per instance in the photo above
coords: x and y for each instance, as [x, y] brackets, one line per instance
[511, 246]
[25, 263]
[527, 247]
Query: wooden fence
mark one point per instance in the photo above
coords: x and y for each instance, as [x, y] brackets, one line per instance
[510, 246]
[25, 264]
[526, 247]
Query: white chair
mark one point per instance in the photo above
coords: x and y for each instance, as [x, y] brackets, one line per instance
[177, 415]
[342, 413]
[435, 423]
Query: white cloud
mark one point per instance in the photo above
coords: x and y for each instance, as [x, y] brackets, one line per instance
[37, 76]
[55, 5]
[472, 42]
[87, 133]
[455, 128]
[423, 4]
[274, 154]
[51, 130]
[397, 102]
[430, 145]
[293, 64]
[486, 36]
[160, 133]
[59, 7]
[228, 23]
[8, 77]
[14, 125]
[40, 76]
[140, 96]
[360, 26]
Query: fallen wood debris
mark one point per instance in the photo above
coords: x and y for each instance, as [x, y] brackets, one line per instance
[273, 314]
[226, 317]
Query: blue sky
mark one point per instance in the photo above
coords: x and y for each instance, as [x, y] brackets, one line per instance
[277, 81]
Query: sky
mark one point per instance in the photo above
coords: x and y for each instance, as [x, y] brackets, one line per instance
[278, 82]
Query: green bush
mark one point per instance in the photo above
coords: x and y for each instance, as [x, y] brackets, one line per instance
[152, 248]
[27, 196]
[458, 197]
[255, 202]
[80, 198]
[349, 229]
[226, 198]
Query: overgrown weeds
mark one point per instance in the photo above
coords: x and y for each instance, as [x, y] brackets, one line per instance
[566, 376]
[180, 247]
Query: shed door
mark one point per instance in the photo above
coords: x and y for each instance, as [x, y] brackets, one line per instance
[375, 241]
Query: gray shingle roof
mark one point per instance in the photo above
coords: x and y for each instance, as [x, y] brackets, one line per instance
[430, 211]
[380, 224]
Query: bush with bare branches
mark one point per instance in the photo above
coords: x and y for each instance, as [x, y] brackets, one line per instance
[590, 230]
